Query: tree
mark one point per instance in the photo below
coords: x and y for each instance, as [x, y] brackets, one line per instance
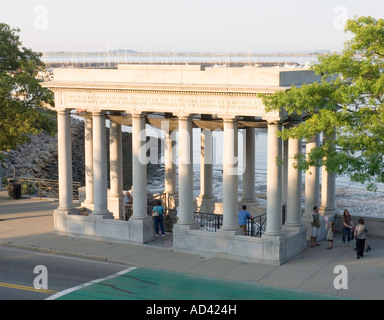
[347, 104]
[22, 100]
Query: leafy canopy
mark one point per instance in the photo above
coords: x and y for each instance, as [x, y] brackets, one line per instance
[22, 99]
[346, 104]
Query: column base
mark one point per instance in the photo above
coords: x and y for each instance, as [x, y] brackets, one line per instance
[275, 234]
[294, 228]
[101, 215]
[231, 231]
[186, 226]
[140, 230]
[66, 211]
[116, 206]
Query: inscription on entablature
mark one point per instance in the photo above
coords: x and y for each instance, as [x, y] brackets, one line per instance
[199, 103]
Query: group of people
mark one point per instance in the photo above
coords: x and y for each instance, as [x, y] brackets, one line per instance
[349, 231]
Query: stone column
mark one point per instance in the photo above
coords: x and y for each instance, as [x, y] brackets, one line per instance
[88, 149]
[100, 166]
[328, 191]
[285, 173]
[230, 177]
[295, 185]
[249, 198]
[206, 199]
[139, 167]
[170, 167]
[274, 181]
[116, 197]
[140, 224]
[312, 181]
[185, 213]
[65, 161]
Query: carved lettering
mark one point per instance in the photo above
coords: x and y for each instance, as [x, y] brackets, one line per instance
[158, 102]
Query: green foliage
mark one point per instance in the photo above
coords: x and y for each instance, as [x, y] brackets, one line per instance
[347, 102]
[22, 100]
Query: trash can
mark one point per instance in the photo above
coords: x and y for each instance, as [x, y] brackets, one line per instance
[14, 189]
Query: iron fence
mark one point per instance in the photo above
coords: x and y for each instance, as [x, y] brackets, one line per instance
[43, 188]
[209, 221]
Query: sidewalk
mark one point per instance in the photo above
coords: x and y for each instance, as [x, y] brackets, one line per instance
[28, 224]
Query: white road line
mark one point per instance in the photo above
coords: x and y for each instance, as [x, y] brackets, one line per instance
[67, 291]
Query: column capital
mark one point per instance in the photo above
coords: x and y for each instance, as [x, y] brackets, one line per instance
[274, 122]
[98, 113]
[183, 115]
[138, 114]
[63, 111]
[228, 118]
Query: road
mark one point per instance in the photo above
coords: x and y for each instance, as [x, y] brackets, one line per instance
[17, 277]
[70, 278]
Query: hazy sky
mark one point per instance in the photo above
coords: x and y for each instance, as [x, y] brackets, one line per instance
[185, 25]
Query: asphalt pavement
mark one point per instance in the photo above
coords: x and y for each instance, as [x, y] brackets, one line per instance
[28, 224]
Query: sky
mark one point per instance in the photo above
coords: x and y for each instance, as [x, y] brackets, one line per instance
[250, 26]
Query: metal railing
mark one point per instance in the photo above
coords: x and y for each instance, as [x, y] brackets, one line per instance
[208, 221]
[257, 225]
[213, 222]
[44, 188]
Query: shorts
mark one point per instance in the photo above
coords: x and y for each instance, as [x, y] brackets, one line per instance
[315, 232]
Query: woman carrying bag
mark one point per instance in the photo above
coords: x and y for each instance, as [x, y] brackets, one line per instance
[157, 214]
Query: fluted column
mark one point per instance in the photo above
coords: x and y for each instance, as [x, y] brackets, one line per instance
[139, 167]
[285, 173]
[116, 197]
[169, 165]
[328, 190]
[206, 200]
[312, 181]
[248, 196]
[185, 213]
[65, 161]
[274, 181]
[230, 176]
[100, 166]
[88, 148]
[295, 185]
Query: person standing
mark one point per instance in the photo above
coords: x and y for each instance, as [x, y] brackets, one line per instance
[330, 225]
[157, 213]
[243, 216]
[315, 224]
[360, 236]
[347, 227]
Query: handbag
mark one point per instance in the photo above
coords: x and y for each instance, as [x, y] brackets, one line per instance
[155, 213]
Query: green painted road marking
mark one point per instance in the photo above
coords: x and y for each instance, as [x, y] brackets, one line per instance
[147, 284]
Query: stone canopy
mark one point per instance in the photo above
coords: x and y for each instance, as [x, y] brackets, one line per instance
[183, 98]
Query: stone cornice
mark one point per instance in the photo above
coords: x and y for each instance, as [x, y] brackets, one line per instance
[176, 89]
